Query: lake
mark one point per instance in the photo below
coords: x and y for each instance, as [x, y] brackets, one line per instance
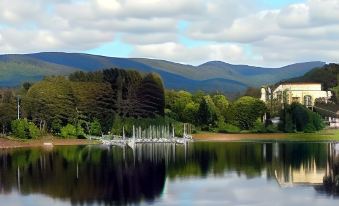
[200, 173]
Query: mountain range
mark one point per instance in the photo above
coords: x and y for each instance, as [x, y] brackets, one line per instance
[211, 76]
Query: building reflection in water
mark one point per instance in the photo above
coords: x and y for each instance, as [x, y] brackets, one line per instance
[331, 180]
[310, 172]
[305, 173]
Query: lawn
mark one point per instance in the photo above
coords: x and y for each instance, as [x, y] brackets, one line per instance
[324, 135]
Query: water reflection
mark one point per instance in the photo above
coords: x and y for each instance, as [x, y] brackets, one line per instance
[113, 175]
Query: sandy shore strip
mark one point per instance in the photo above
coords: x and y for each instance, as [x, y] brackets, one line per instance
[237, 137]
[6, 143]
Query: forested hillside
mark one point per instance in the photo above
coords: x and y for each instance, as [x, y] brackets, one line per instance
[213, 76]
[326, 75]
[14, 70]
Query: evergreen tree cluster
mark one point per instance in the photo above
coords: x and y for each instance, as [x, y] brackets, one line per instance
[84, 102]
[298, 118]
[133, 94]
[8, 110]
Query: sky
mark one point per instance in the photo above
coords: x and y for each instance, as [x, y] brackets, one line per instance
[254, 32]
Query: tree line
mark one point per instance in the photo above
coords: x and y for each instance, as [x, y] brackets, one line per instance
[82, 103]
[104, 101]
[214, 112]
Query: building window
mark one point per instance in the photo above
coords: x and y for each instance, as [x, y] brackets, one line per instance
[308, 101]
[279, 96]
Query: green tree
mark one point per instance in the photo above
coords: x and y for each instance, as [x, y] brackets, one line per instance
[286, 122]
[207, 113]
[7, 109]
[34, 131]
[124, 85]
[190, 112]
[182, 99]
[80, 132]
[297, 117]
[198, 96]
[300, 116]
[150, 96]
[318, 122]
[221, 102]
[247, 110]
[7, 114]
[24, 129]
[117, 126]
[94, 101]
[69, 131]
[95, 128]
[50, 100]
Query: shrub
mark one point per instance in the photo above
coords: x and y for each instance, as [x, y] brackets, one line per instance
[318, 122]
[118, 124]
[229, 128]
[272, 129]
[56, 126]
[95, 128]
[23, 129]
[34, 131]
[68, 131]
[298, 118]
[19, 129]
[309, 128]
[259, 127]
[80, 132]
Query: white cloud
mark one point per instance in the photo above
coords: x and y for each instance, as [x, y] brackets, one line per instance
[294, 16]
[108, 5]
[296, 32]
[177, 52]
[16, 12]
[324, 11]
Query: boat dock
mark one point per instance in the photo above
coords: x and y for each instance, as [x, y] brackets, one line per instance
[139, 138]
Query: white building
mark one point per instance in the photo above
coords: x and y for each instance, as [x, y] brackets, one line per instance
[303, 93]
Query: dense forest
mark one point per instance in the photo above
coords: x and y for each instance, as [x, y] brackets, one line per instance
[83, 102]
[103, 102]
[215, 112]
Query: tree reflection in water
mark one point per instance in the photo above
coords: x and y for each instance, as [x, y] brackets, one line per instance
[331, 180]
[112, 175]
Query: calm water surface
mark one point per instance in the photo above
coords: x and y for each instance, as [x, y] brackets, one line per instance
[200, 173]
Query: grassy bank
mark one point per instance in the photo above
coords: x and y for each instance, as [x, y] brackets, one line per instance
[324, 135]
[10, 142]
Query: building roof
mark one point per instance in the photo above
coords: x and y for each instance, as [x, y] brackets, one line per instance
[329, 110]
[298, 83]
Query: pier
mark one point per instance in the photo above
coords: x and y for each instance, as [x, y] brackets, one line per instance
[151, 135]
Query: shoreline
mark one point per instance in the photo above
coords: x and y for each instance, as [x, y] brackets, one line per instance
[11, 143]
[325, 135]
[50, 141]
[227, 137]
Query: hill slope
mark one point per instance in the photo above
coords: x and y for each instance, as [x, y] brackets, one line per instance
[326, 75]
[14, 69]
[211, 76]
